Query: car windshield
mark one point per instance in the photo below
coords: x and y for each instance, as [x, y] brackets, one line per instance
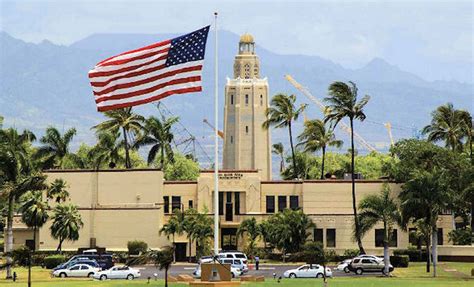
[239, 256]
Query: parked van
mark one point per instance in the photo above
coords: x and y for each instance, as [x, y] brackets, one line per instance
[104, 260]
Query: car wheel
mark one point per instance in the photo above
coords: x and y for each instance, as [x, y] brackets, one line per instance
[292, 275]
[130, 277]
[346, 269]
[320, 275]
[90, 274]
[63, 275]
[103, 277]
[359, 271]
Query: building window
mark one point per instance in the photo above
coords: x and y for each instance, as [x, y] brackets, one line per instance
[246, 100]
[221, 203]
[379, 238]
[231, 139]
[440, 236]
[231, 99]
[247, 70]
[330, 237]
[175, 202]
[294, 202]
[270, 204]
[190, 204]
[261, 100]
[412, 238]
[237, 202]
[246, 129]
[281, 202]
[166, 204]
[318, 235]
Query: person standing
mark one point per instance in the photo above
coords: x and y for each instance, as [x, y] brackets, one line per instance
[257, 261]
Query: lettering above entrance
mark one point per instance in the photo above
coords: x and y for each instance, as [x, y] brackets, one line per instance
[230, 176]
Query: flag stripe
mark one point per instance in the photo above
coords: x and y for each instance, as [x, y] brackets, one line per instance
[149, 90]
[145, 100]
[111, 70]
[133, 59]
[134, 52]
[143, 78]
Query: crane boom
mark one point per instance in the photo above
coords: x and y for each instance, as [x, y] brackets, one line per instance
[389, 129]
[343, 126]
[219, 133]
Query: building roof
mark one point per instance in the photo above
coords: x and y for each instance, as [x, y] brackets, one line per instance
[246, 38]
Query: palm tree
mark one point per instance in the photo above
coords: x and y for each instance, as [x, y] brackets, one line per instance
[128, 122]
[174, 226]
[448, 125]
[162, 259]
[281, 113]
[425, 196]
[202, 233]
[107, 150]
[342, 103]
[158, 134]
[57, 191]
[468, 130]
[316, 136]
[189, 227]
[66, 223]
[34, 212]
[279, 150]
[16, 176]
[250, 227]
[55, 149]
[380, 208]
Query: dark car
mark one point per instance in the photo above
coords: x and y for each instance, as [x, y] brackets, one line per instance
[361, 265]
[105, 261]
[81, 260]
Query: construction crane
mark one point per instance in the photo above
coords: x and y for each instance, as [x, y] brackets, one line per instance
[342, 125]
[219, 133]
[388, 126]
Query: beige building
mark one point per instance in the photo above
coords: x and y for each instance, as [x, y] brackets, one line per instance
[118, 206]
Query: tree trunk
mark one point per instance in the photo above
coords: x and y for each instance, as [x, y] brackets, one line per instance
[9, 241]
[284, 253]
[60, 246]
[386, 259]
[174, 248]
[34, 238]
[190, 249]
[295, 170]
[166, 277]
[325, 280]
[322, 164]
[434, 250]
[428, 253]
[162, 160]
[354, 207]
[127, 154]
[472, 215]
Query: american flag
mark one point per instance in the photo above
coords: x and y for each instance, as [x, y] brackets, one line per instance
[150, 73]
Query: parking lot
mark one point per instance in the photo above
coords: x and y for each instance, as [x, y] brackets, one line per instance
[265, 270]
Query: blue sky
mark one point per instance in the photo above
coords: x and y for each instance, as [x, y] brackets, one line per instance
[431, 39]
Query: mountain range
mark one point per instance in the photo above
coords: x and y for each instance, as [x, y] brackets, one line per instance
[46, 84]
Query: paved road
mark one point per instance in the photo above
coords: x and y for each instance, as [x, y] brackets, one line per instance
[265, 270]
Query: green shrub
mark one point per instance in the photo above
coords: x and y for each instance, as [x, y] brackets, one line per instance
[121, 257]
[38, 259]
[414, 254]
[351, 253]
[399, 260]
[20, 255]
[53, 260]
[462, 236]
[137, 247]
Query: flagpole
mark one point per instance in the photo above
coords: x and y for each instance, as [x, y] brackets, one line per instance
[216, 147]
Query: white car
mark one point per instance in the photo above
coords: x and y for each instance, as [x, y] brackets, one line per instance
[78, 270]
[118, 272]
[308, 271]
[365, 256]
[344, 266]
[235, 272]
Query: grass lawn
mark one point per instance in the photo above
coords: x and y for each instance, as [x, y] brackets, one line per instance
[413, 276]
